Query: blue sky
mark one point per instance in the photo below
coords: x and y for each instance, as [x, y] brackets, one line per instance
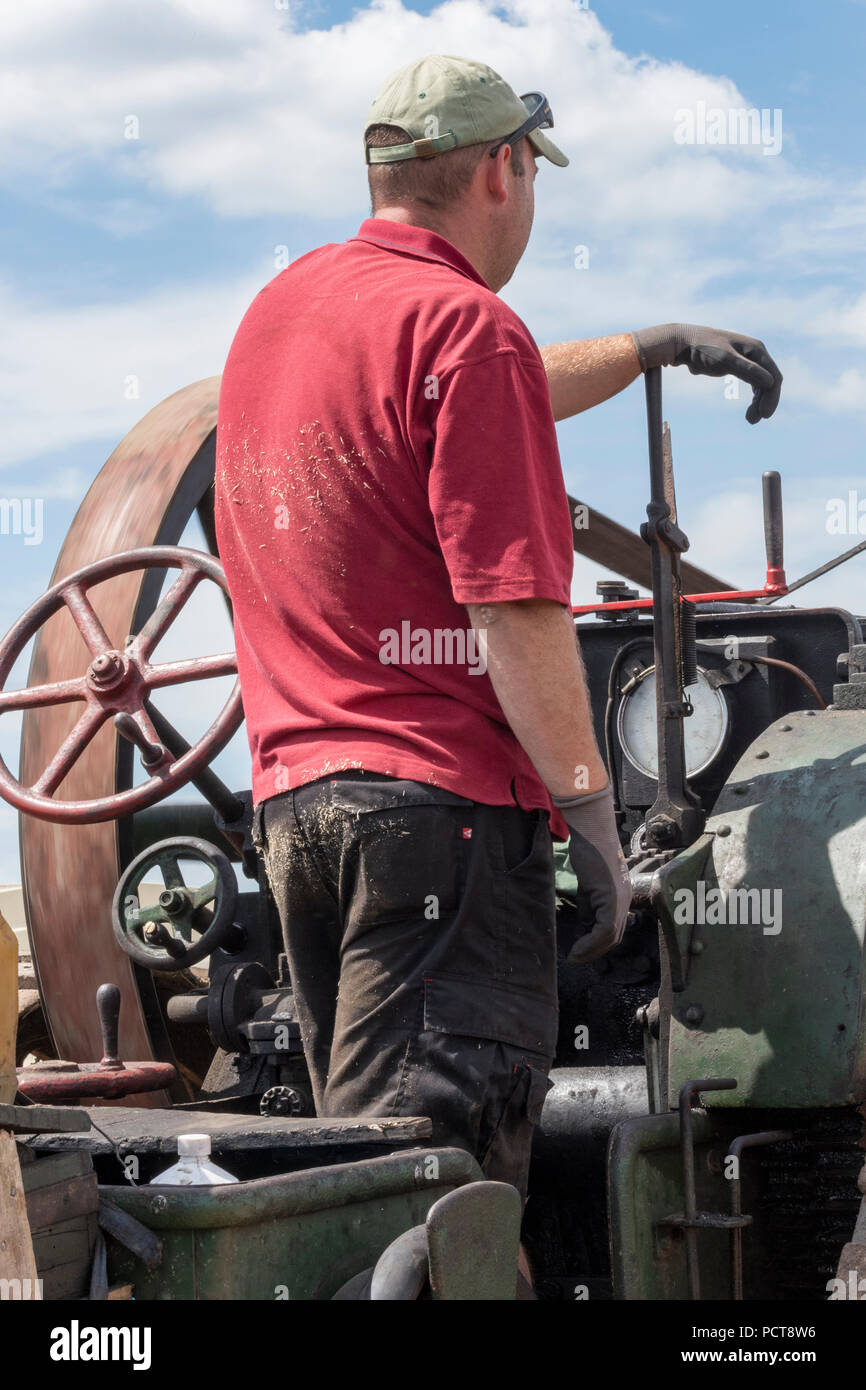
[122, 257]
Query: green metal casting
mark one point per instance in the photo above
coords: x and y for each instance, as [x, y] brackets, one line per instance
[645, 1185]
[773, 993]
[294, 1236]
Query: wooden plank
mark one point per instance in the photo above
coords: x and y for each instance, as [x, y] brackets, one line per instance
[627, 555]
[141, 1131]
[17, 1257]
[65, 1243]
[52, 1168]
[130, 1233]
[31, 1119]
[66, 1281]
[62, 1200]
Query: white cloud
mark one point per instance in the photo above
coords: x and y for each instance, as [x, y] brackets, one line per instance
[241, 108]
[727, 533]
[64, 371]
[843, 394]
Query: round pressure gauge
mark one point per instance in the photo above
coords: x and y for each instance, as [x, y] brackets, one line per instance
[705, 729]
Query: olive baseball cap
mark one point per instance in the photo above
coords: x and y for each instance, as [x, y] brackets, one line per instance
[444, 102]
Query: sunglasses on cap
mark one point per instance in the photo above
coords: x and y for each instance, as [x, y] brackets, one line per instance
[540, 115]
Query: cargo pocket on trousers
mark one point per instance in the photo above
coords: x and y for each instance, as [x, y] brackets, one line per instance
[506, 1140]
[474, 1008]
[505, 1039]
[539, 1085]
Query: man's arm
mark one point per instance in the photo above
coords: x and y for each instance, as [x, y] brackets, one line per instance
[535, 668]
[536, 671]
[583, 374]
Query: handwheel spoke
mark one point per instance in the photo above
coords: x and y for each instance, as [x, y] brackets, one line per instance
[171, 871]
[54, 694]
[150, 914]
[202, 896]
[70, 749]
[166, 611]
[197, 668]
[86, 620]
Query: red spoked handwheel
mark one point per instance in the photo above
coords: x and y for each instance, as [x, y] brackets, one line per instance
[118, 684]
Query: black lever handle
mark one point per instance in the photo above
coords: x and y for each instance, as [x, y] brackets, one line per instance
[773, 530]
[108, 1008]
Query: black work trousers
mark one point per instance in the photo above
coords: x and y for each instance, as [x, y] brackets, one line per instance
[420, 933]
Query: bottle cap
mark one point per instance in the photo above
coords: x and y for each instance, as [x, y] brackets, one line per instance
[193, 1145]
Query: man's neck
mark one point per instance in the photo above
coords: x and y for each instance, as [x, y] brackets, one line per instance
[454, 230]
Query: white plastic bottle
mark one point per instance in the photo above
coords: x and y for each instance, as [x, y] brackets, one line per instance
[194, 1167]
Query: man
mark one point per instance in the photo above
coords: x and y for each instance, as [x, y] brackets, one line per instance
[396, 538]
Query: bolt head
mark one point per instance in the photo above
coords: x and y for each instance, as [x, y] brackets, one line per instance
[106, 670]
[173, 900]
[661, 830]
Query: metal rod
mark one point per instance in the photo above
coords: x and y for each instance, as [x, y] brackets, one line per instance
[816, 574]
[675, 818]
[744, 1141]
[688, 1091]
[223, 800]
[773, 525]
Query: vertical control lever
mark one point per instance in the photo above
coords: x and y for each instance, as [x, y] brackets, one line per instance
[108, 1009]
[773, 529]
[676, 818]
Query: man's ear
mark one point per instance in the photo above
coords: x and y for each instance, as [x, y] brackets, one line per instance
[497, 173]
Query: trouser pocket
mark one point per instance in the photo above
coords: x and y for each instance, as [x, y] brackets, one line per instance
[505, 1144]
[504, 1040]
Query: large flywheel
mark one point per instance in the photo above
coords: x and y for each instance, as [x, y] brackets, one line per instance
[157, 478]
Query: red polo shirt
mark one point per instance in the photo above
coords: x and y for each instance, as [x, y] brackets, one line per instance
[386, 453]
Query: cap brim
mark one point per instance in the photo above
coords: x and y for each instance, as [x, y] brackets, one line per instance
[543, 145]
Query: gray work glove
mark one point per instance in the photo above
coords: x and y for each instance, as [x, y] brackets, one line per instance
[714, 352]
[602, 874]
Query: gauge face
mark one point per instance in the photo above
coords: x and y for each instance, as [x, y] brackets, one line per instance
[705, 729]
